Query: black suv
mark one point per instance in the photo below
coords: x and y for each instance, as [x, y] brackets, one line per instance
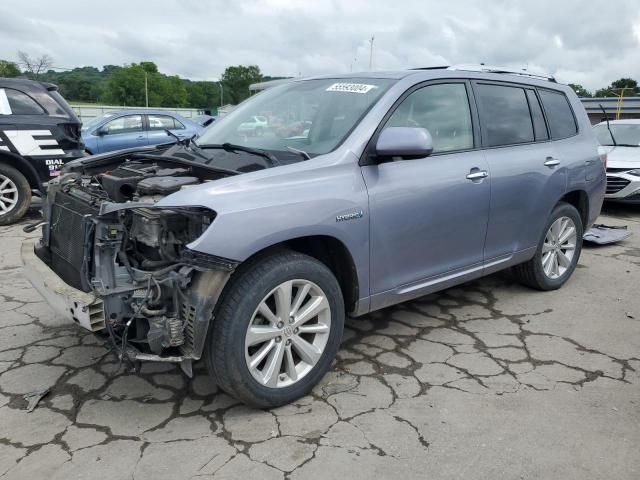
[38, 134]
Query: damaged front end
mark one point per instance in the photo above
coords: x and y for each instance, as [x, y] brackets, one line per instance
[125, 263]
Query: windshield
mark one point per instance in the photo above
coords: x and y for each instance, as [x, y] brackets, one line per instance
[626, 134]
[95, 121]
[314, 116]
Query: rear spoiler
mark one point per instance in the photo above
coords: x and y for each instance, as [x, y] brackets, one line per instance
[49, 86]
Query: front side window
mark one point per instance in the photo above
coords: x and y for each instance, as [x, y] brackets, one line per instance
[504, 115]
[22, 104]
[562, 123]
[163, 122]
[128, 124]
[311, 115]
[442, 109]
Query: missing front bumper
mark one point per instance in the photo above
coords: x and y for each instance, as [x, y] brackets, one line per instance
[68, 302]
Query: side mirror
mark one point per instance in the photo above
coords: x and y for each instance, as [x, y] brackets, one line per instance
[404, 142]
[102, 131]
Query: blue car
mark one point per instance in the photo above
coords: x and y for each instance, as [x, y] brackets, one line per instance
[135, 128]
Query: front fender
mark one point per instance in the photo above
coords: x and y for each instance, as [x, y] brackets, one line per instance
[255, 212]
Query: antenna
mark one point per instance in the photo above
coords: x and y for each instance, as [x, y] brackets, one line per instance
[371, 52]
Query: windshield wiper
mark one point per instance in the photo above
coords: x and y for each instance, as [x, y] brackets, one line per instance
[232, 147]
[606, 117]
[626, 145]
[184, 161]
[179, 140]
[301, 152]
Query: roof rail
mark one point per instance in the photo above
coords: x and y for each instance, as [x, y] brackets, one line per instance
[493, 69]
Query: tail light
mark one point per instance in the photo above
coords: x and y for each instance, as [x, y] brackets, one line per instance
[603, 159]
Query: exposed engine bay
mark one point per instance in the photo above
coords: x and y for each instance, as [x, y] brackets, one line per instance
[104, 235]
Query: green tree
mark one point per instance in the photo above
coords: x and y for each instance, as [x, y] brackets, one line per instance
[629, 85]
[9, 69]
[236, 81]
[82, 84]
[580, 90]
[125, 86]
[205, 95]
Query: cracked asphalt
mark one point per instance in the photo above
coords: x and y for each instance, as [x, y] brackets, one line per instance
[489, 380]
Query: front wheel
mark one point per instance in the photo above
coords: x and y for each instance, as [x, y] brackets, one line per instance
[558, 251]
[277, 329]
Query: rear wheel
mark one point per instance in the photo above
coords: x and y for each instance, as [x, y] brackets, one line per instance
[278, 327]
[15, 195]
[558, 251]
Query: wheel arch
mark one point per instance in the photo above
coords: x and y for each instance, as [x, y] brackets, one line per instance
[24, 167]
[329, 251]
[580, 200]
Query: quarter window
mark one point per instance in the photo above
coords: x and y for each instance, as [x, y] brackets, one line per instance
[442, 109]
[562, 123]
[22, 104]
[504, 115]
[128, 124]
[5, 109]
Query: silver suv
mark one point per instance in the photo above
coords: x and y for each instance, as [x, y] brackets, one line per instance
[363, 191]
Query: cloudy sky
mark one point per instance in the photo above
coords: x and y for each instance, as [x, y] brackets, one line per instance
[579, 41]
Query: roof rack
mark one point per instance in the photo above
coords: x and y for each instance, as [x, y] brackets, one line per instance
[493, 69]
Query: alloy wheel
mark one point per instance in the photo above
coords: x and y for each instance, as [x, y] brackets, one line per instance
[8, 195]
[288, 333]
[559, 247]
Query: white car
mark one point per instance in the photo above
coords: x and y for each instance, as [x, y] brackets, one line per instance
[256, 125]
[622, 147]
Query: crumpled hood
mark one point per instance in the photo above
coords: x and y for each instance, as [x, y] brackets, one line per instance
[621, 157]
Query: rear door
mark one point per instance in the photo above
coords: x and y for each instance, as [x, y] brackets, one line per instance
[158, 124]
[527, 174]
[123, 132]
[428, 216]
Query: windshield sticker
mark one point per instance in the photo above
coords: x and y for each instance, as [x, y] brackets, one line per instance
[351, 87]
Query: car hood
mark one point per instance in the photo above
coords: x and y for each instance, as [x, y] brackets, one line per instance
[621, 157]
[258, 189]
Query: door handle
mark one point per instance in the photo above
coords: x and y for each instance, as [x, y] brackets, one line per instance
[141, 137]
[551, 162]
[478, 175]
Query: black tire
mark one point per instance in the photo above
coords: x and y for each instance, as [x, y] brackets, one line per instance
[17, 211]
[250, 284]
[531, 273]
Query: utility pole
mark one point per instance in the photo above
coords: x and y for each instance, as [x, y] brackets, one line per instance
[221, 94]
[371, 52]
[146, 90]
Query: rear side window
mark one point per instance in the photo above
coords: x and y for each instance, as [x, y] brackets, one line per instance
[539, 126]
[504, 115]
[22, 104]
[163, 122]
[442, 109]
[562, 123]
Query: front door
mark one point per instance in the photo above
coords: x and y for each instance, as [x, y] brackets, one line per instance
[429, 215]
[123, 132]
